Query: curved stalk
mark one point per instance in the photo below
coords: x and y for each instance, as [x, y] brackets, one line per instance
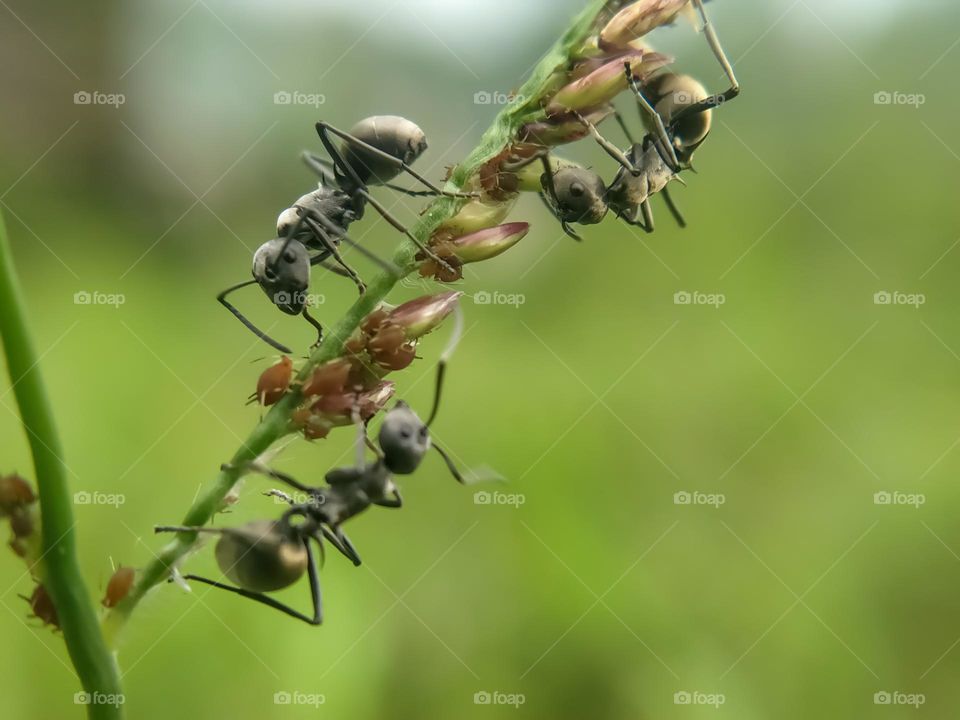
[58, 569]
[502, 133]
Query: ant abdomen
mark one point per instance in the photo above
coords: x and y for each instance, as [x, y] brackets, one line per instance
[262, 556]
[669, 94]
[392, 134]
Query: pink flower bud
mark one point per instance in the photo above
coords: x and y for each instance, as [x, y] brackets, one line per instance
[638, 19]
[562, 129]
[420, 316]
[600, 86]
[485, 244]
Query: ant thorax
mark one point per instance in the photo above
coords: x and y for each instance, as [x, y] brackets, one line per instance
[351, 491]
[331, 203]
[628, 191]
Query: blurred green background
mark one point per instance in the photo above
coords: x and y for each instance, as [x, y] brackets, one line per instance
[599, 397]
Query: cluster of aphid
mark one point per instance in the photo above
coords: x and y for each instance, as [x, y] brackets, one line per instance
[18, 506]
[267, 555]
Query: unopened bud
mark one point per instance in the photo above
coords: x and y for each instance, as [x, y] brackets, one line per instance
[602, 85]
[638, 19]
[420, 316]
[562, 129]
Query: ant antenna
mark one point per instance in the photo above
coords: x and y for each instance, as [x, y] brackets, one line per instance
[222, 299]
[452, 343]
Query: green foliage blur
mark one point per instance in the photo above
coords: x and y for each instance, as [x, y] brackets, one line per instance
[598, 397]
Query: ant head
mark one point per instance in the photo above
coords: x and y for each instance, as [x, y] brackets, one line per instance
[580, 195]
[262, 556]
[392, 134]
[670, 94]
[404, 439]
[282, 268]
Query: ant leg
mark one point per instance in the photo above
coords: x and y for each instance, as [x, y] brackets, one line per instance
[398, 226]
[315, 324]
[338, 233]
[338, 545]
[672, 206]
[312, 160]
[342, 537]
[324, 128]
[315, 595]
[331, 247]
[719, 98]
[280, 494]
[394, 502]
[718, 52]
[646, 108]
[326, 265]
[450, 466]
[275, 474]
[455, 335]
[647, 215]
[611, 149]
[222, 299]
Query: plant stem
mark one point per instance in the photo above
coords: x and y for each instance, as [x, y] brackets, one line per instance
[501, 134]
[59, 569]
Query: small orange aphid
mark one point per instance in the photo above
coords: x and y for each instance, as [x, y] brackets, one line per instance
[119, 586]
[15, 493]
[328, 378]
[273, 382]
[42, 607]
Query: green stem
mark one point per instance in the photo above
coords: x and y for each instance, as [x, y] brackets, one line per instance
[59, 568]
[501, 134]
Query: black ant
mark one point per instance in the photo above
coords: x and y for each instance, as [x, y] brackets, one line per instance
[376, 150]
[268, 555]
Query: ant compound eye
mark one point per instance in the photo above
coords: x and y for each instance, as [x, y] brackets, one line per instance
[269, 273]
[577, 189]
[405, 433]
[289, 256]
